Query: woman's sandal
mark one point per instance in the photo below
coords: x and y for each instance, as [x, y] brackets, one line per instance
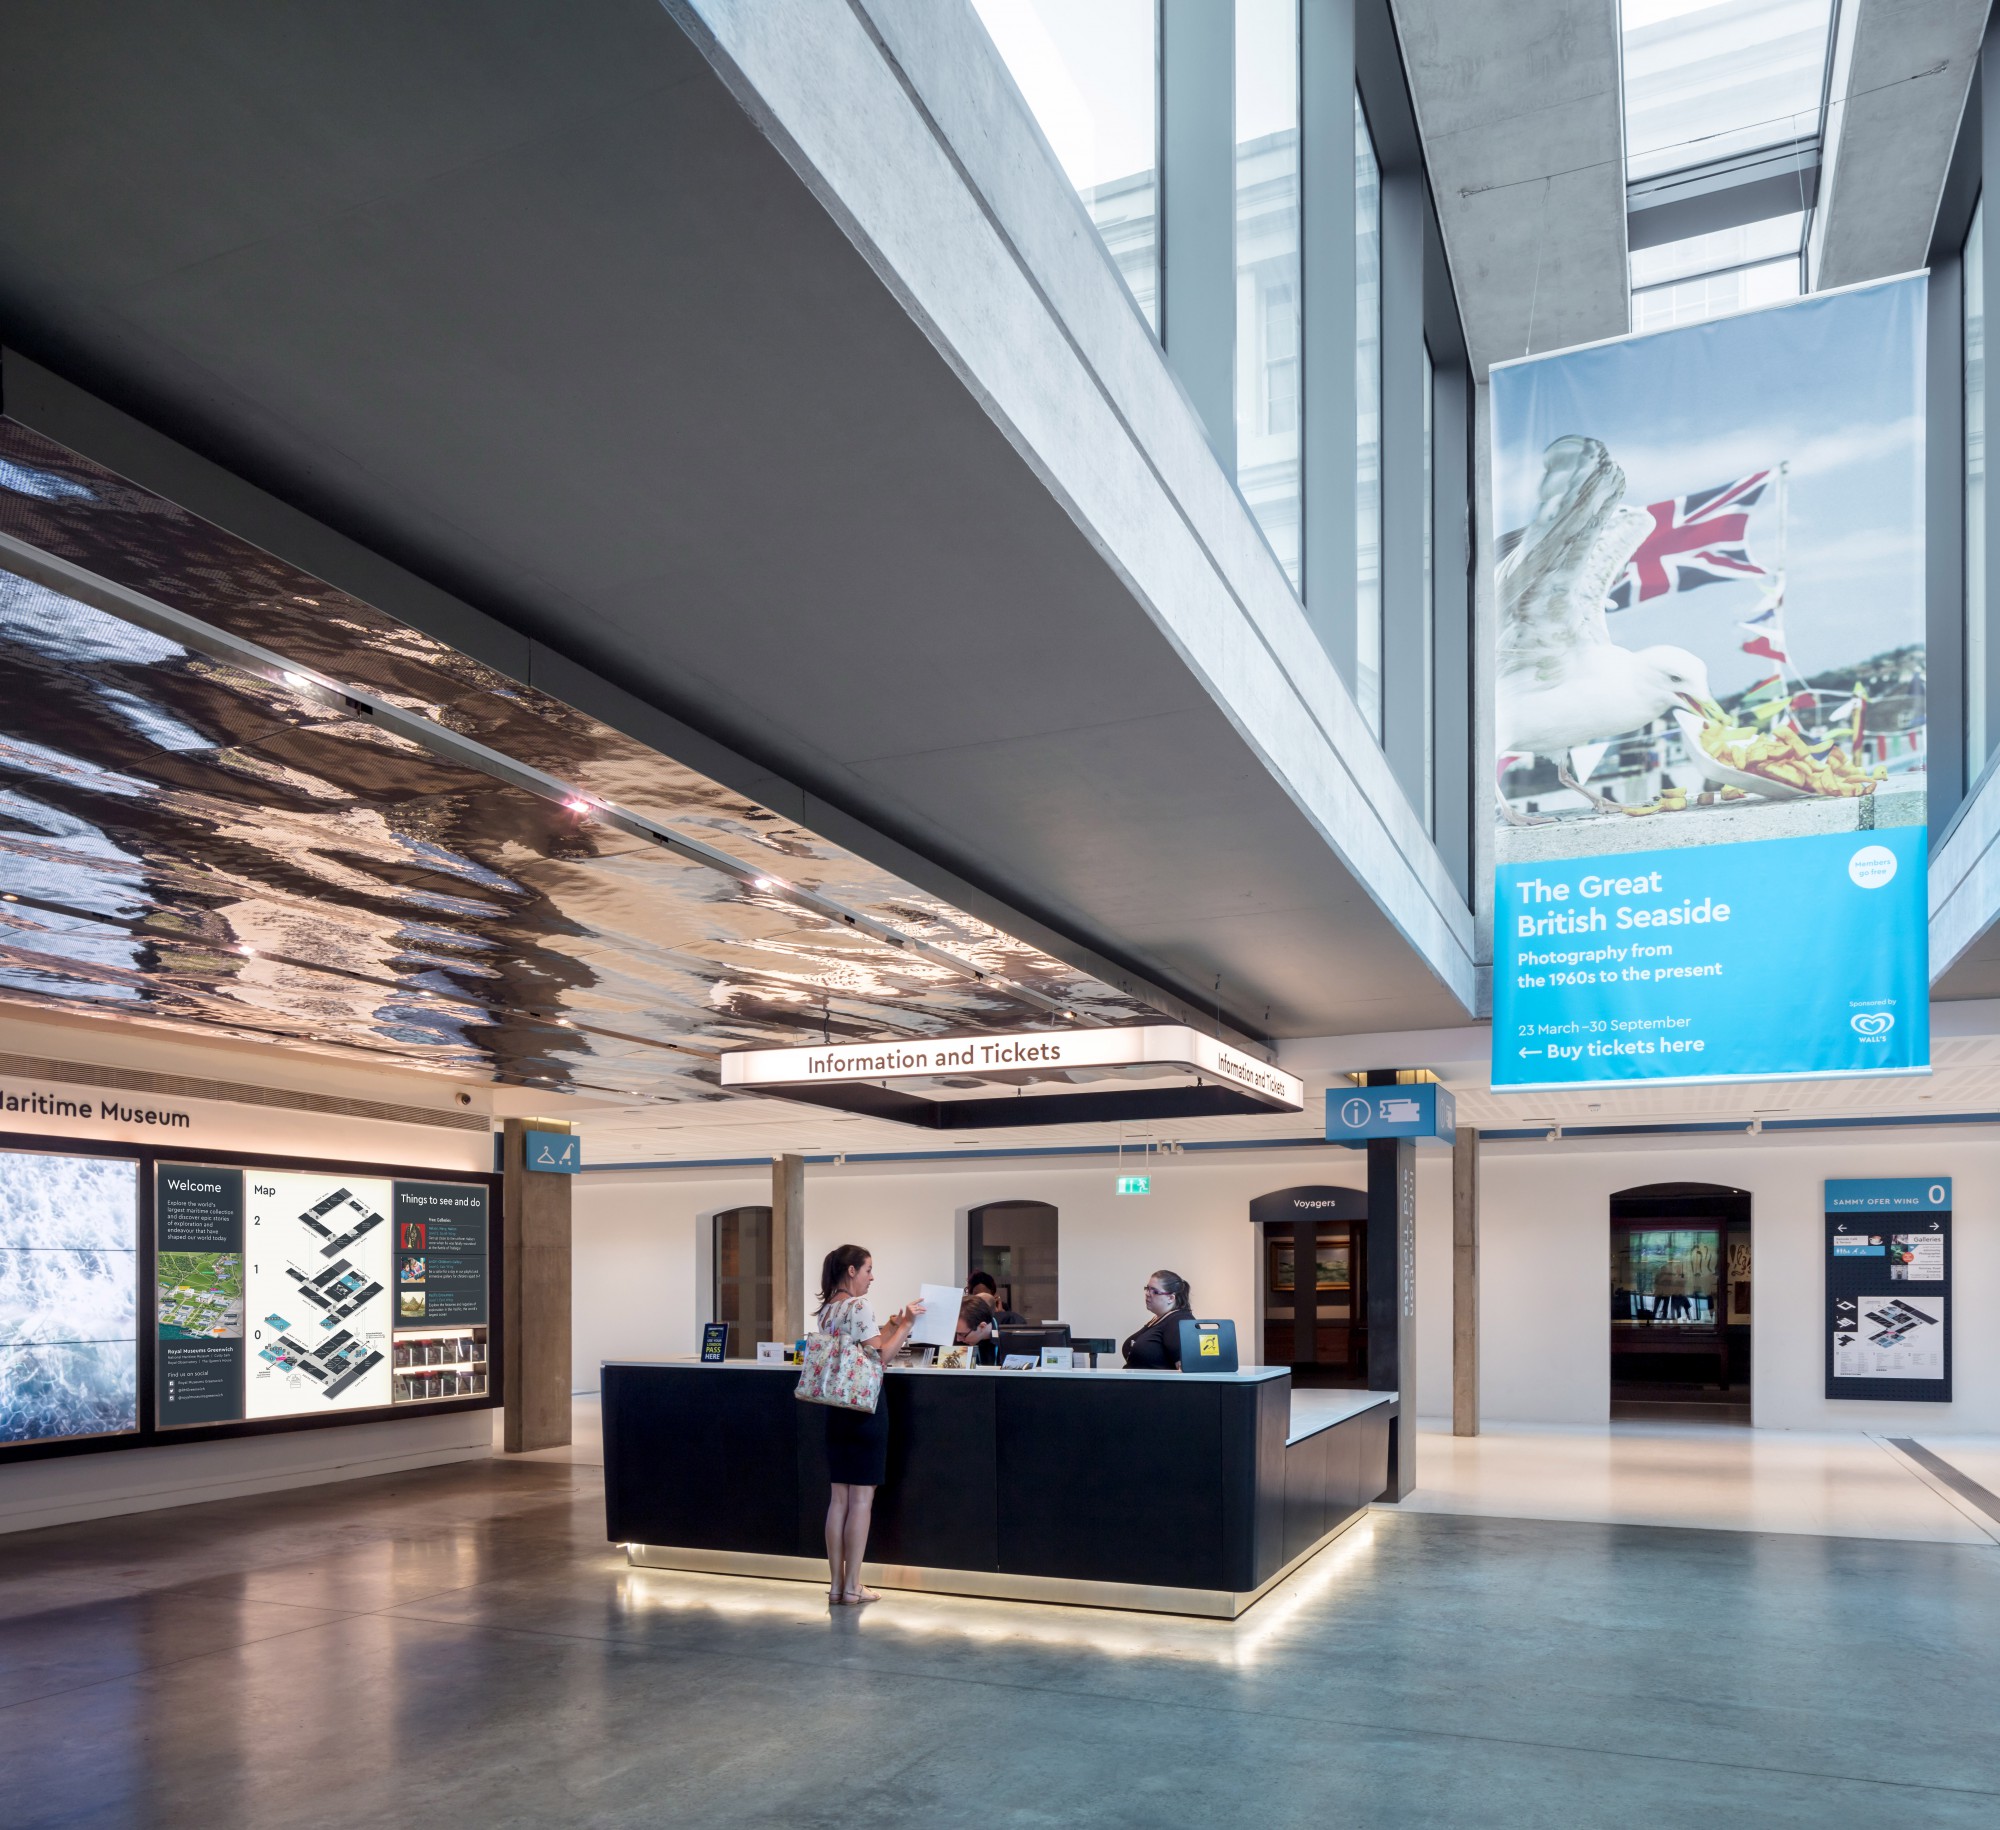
[860, 1597]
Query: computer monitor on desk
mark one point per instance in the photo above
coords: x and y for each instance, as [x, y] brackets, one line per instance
[1014, 1342]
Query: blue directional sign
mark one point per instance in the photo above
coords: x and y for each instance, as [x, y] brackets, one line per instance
[1889, 1194]
[558, 1153]
[1427, 1113]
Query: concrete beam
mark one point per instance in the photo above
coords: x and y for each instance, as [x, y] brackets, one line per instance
[1523, 127]
[1900, 90]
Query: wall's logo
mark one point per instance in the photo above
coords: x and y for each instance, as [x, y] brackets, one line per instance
[1356, 1112]
[1872, 866]
[1871, 1023]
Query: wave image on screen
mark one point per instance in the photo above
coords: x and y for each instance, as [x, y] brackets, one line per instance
[69, 1326]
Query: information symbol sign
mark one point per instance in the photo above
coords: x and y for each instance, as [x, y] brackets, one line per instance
[1356, 1112]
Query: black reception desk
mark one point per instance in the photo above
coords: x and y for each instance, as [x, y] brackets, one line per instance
[1163, 1491]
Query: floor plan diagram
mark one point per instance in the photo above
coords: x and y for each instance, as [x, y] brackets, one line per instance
[319, 1275]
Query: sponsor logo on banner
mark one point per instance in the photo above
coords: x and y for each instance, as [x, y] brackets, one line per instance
[1710, 701]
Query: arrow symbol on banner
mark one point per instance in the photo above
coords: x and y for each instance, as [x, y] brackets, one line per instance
[1530, 1051]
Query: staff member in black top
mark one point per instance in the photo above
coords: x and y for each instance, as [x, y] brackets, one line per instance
[1157, 1346]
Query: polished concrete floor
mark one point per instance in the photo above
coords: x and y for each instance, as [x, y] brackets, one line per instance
[459, 1647]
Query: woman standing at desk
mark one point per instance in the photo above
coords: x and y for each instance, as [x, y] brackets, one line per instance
[857, 1442]
[1157, 1346]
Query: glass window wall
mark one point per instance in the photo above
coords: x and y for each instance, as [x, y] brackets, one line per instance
[1368, 424]
[1752, 244]
[1715, 295]
[1090, 73]
[1978, 734]
[1268, 366]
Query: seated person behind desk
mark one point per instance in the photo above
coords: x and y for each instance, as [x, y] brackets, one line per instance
[982, 1312]
[1157, 1346]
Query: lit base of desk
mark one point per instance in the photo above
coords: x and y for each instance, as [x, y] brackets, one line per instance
[990, 1585]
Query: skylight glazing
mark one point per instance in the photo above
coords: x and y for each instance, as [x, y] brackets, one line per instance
[1724, 103]
[1707, 80]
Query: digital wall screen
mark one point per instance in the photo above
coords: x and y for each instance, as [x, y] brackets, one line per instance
[281, 1291]
[69, 1320]
[269, 1294]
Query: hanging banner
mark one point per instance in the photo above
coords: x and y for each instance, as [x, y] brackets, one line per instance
[1709, 699]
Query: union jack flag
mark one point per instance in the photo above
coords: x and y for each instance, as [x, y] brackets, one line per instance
[1702, 539]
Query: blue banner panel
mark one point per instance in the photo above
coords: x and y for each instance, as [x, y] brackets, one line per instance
[1710, 700]
[1889, 1194]
[1356, 1114]
[1779, 958]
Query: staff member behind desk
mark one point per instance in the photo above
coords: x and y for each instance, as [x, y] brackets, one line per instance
[1157, 1346]
[982, 1314]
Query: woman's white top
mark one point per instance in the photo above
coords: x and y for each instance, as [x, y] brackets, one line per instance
[853, 1316]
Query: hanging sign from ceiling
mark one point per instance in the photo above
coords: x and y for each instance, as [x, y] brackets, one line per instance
[861, 1076]
[1709, 701]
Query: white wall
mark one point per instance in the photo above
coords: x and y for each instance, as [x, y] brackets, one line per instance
[1545, 1271]
[1545, 1329]
[37, 1493]
[638, 1293]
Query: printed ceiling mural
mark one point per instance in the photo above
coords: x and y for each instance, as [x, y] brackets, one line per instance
[183, 841]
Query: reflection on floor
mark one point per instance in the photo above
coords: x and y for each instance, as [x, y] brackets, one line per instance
[1708, 1476]
[586, 1435]
[477, 1655]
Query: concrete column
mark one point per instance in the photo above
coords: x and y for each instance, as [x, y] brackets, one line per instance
[1465, 1282]
[788, 1247]
[535, 1305]
[1392, 1293]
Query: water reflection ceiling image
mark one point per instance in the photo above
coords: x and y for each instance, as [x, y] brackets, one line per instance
[185, 842]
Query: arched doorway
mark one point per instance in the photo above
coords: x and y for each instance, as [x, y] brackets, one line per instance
[743, 1277]
[1016, 1243]
[1680, 1302]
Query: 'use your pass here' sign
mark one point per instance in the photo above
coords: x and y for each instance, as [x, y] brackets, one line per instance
[1778, 958]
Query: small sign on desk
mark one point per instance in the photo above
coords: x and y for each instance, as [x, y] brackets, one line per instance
[770, 1352]
[714, 1343]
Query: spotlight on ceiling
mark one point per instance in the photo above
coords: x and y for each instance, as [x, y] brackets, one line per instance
[576, 804]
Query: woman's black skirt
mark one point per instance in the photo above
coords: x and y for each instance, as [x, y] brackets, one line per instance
[857, 1445]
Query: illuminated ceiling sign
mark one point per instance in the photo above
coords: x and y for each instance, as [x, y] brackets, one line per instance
[1213, 1078]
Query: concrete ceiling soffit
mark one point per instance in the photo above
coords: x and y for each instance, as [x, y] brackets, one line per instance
[1523, 130]
[941, 177]
[1892, 134]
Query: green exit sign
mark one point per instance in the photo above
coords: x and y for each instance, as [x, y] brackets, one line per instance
[1135, 1185]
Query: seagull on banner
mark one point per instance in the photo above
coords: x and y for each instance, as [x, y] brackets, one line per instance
[1563, 684]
